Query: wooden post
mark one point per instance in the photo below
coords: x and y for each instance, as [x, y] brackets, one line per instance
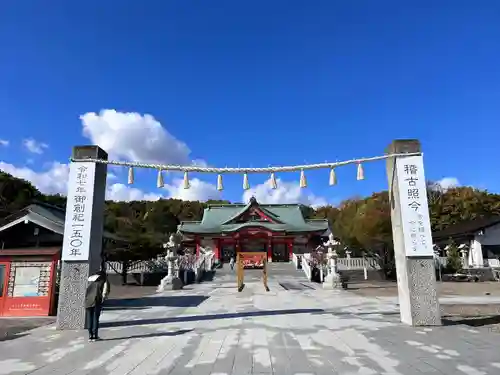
[264, 273]
[240, 271]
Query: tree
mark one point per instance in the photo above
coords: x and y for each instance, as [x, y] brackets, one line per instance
[361, 223]
[15, 194]
[453, 261]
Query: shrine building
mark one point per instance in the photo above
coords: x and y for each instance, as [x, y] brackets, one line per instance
[278, 229]
[30, 249]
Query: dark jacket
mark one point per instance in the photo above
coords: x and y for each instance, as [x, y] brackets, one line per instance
[97, 291]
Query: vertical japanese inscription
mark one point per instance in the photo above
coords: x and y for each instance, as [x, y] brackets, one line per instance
[78, 221]
[414, 206]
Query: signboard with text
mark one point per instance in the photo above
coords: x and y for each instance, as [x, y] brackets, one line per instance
[414, 207]
[76, 245]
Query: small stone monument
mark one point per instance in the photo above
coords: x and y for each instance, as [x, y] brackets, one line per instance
[463, 254]
[333, 280]
[172, 280]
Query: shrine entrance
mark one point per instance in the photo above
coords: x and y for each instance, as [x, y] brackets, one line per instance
[280, 253]
[415, 264]
[256, 259]
[228, 252]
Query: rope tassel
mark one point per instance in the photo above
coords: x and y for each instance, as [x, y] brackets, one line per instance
[220, 186]
[274, 183]
[159, 180]
[186, 184]
[361, 172]
[333, 177]
[303, 181]
[246, 185]
[130, 176]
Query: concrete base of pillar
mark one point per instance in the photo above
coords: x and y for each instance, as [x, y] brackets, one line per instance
[170, 282]
[418, 299]
[332, 281]
[71, 310]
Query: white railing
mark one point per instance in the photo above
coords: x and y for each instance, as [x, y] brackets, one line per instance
[208, 259]
[295, 260]
[493, 263]
[357, 264]
[153, 265]
[204, 263]
[305, 265]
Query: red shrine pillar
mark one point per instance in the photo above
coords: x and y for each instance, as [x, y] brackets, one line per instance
[269, 250]
[217, 249]
[197, 241]
[290, 249]
[236, 248]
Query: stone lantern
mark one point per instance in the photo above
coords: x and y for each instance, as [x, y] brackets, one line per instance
[333, 279]
[172, 280]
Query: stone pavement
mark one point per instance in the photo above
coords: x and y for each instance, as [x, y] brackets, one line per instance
[209, 328]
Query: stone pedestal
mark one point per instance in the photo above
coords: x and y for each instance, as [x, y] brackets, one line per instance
[83, 230]
[332, 281]
[418, 299]
[171, 281]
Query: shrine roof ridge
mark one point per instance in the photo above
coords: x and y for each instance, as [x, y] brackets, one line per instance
[46, 215]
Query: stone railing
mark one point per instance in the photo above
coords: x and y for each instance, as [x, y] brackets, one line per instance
[306, 258]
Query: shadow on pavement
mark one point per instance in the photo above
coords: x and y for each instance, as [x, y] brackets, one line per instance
[12, 337]
[357, 313]
[195, 318]
[472, 321]
[150, 335]
[151, 301]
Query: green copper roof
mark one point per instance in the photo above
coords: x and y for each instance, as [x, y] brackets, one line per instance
[218, 219]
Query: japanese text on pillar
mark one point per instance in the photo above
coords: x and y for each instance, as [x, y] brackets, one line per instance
[417, 227]
[78, 215]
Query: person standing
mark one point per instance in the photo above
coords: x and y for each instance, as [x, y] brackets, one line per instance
[231, 263]
[97, 291]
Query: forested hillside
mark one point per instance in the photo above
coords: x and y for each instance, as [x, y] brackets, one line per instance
[362, 223]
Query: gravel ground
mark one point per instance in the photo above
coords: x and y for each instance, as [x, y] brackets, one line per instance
[390, 289]
[487, 315]
[11, 328]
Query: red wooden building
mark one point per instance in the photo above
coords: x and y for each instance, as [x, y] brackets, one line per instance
[30, 249]
[278, 229]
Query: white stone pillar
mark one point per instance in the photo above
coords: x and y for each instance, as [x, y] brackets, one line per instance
[476, 252]
[418, 299]
[83, 229]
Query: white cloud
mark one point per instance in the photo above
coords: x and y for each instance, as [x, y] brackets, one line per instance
[34, 146]
[198, 191]
[448, 182]
[121, 192]
[287, 192]
[53, 180]
[134, 137]
[4, 142]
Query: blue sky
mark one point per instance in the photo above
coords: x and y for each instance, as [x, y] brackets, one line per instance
[253, 84]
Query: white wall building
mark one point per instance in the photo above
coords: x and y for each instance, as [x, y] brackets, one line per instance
[481, 237]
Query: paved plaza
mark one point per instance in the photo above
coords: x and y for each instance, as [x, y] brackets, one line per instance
[296, 328]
